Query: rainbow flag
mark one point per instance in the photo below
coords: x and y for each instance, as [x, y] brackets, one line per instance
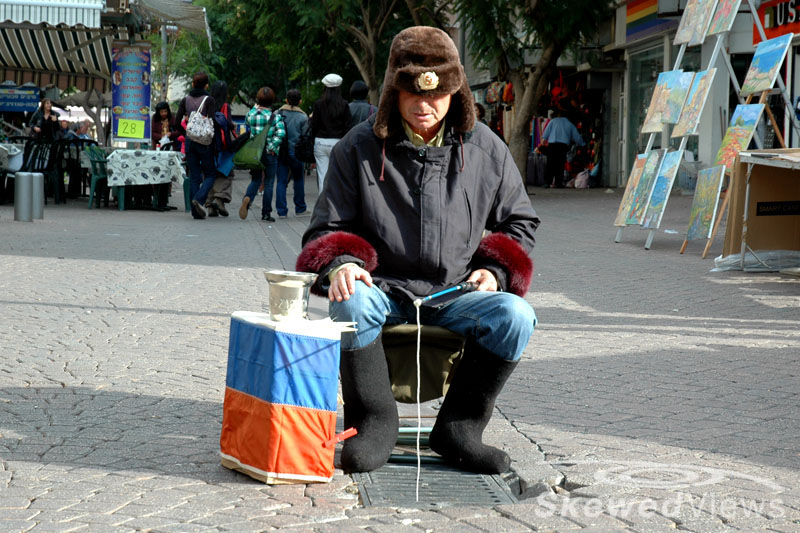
[280, 399]
[642, 20]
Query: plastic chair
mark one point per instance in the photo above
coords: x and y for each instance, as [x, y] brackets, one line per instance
[46, 159]
[97, 159]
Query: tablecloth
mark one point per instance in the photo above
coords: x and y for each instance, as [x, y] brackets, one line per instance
[144, 167]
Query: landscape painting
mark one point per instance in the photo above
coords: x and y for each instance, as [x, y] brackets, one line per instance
[739, 133]
[662, 96]
[702, 17]
[766, 63]
[633, 182]
[641, 196]
[661, 189]
[688, 22]
[704, 205]
[693, 108]
[724, 16]
[678, 89]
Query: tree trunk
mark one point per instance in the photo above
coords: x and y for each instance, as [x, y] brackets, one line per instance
[101, 132]
[528, 91]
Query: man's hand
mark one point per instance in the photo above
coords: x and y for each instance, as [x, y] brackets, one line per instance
[484, 279]
[343, 283]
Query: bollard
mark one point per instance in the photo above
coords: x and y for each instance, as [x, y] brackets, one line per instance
[23, 190]
[37, 197]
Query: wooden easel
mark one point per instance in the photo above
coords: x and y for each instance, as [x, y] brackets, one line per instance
[729, 173]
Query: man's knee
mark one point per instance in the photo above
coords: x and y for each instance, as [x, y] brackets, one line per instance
[366, 308]
[518, 315]
[510, 326]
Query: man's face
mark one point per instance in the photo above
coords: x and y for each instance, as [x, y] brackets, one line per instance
[64, 124]
[423, 112]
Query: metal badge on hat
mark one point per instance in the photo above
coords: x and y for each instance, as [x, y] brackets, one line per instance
[427, 81]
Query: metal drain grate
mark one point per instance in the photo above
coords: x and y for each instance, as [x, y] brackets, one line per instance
[439, 486]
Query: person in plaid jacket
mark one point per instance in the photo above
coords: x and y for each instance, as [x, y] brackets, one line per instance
[259, 117]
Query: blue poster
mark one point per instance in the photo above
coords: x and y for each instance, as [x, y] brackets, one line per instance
[130, 92]
[19, 99]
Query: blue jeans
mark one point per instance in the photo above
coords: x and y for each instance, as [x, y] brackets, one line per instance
[500, 322]
[269, 184]
[298, 176]
[202, 170]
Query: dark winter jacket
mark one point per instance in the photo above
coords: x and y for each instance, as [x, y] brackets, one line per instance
[415, 217]
[327, 124]
[191, 103]
[360, 110]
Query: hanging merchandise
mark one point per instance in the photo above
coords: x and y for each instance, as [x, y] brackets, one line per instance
[559, 91]
[508, 121]
[493, 92]
[508, 93]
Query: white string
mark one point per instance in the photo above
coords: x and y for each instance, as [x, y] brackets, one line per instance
[419, 413]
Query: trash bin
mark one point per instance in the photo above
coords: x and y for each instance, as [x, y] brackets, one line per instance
[23, 192]
[37, 196]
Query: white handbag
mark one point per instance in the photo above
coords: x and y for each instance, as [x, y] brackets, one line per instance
[200, 129]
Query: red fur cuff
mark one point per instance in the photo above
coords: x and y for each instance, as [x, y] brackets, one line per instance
[510, 255]
[320, 252]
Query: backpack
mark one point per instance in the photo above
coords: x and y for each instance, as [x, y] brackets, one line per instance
[200, 129]
[283, 151]
[304, 147]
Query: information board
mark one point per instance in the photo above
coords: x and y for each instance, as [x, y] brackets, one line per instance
[130, 92]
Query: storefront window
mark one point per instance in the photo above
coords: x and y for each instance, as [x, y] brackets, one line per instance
[644, 68]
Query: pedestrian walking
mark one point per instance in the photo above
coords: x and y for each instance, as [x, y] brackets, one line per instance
[289, 167]
[360, 108]
[406, 201]
[330, 120]
[259, 117]
[199, 156]
[220, 193]
[559, 134]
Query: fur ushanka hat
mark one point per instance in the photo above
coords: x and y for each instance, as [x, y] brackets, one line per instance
[423, 59]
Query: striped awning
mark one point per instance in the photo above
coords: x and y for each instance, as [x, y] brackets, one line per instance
[63, 42]
[53, 12]
[62, 56]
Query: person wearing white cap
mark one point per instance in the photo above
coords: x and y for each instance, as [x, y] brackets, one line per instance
[329, 122]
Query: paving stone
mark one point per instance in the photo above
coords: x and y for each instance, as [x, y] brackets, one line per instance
[111, 393]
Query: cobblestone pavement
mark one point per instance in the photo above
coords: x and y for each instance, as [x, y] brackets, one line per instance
[655, 395]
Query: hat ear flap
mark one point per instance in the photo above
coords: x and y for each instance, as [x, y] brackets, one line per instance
[467, 109]
[383, 116]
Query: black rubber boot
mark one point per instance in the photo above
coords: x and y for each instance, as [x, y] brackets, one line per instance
[466, 411]
[369, 406]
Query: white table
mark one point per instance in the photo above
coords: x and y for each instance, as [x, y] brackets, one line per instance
[144, 167]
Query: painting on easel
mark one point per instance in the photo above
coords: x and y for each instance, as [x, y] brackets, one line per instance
[695, 102]
[688, 23]
[724, 16]
[633, 182]
[739, 133]
[702, 16]
[766, 63]
[667, 101]
[644, 189]
[661, 189]
[704, 205]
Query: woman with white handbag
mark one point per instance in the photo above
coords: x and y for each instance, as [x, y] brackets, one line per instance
[199, 106]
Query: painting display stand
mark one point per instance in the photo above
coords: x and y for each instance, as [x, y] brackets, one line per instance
[786, 100]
